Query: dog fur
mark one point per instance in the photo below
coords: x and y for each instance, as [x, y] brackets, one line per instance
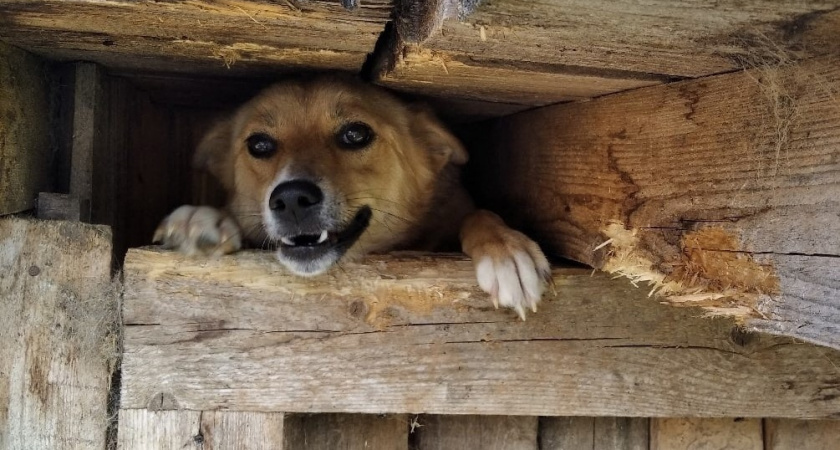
[401, 190]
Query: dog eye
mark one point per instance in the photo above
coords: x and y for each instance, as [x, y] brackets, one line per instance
[261, 145]
[354, 136]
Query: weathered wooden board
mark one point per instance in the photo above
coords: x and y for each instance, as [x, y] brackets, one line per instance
[55, 310]
[25, 146]
[783, 434]
[435, 432]
[142, 429]
[723, 192]
[537, 52]
[706, 434]
[346, 432]
[594, 433]
[210, 37]
[415, 335]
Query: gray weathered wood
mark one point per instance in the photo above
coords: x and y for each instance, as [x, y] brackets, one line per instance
[52, 206]
[346, 431]
[142, 429]
[783, 434]
[55, 360]
[537, 52]
[415, 335]
[476, 432]
[208, 37]
[25, 147]
[723, 192]
[90, 168]
[594, 433]
[706, 434]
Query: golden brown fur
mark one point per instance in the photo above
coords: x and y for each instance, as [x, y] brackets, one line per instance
[407, 176]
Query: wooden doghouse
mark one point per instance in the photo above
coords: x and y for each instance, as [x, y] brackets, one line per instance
[687, 151]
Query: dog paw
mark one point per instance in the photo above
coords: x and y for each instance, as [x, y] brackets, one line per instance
[513, 270]
[199, 230]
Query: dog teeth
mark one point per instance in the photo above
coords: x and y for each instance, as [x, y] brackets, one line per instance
[323, 237]
[287, 241]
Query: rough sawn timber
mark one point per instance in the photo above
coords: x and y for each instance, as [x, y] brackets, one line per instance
[413, 334]
[197, 37]
[723, 192]
[25, 145]
[547, 51]
[54, 358]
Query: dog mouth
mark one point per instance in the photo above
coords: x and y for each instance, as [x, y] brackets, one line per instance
[327, 244]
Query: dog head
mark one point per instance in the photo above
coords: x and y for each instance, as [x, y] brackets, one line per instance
[328, 167]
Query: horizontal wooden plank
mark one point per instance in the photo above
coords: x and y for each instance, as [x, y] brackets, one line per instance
[58, 316]
[25, 145]
[537, 52]
[722, 192]
[413, 334]
[210, 37]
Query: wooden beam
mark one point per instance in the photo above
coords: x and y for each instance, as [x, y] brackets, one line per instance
[413, 334]
[88, 145]
[721, 192]
[58, 318]
[549, 51]
[234, 37]
[25, 146]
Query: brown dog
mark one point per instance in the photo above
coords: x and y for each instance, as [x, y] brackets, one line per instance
[332, 168]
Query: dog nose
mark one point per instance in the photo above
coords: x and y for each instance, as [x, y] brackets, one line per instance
[295, 198]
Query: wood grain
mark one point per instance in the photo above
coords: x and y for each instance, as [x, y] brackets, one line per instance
[346, 432]
[536, 52]
[746, 157]
[413, 334]
[233, 37]
[782, 434]
[437, 432]
[54, 361]
[200, 430]
[706, 434]
[595, 433]
[25, 146]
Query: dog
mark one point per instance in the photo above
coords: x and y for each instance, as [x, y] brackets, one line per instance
[331, 168]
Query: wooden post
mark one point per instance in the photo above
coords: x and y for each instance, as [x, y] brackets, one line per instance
[721, 192]
[25, 145]
[58, 317]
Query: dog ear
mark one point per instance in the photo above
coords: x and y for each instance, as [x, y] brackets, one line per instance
[214, 153]
[432, 134]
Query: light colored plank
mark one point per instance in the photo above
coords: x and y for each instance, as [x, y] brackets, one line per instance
[234, 37]
[346, 432]
[414, 334]
[52, 206]
[595, 433]
[25, 147]
[537, 52]
[784, 434]
[57, 319]
[706, 434]
[722, 191]
[208, 430]
[438, 432]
